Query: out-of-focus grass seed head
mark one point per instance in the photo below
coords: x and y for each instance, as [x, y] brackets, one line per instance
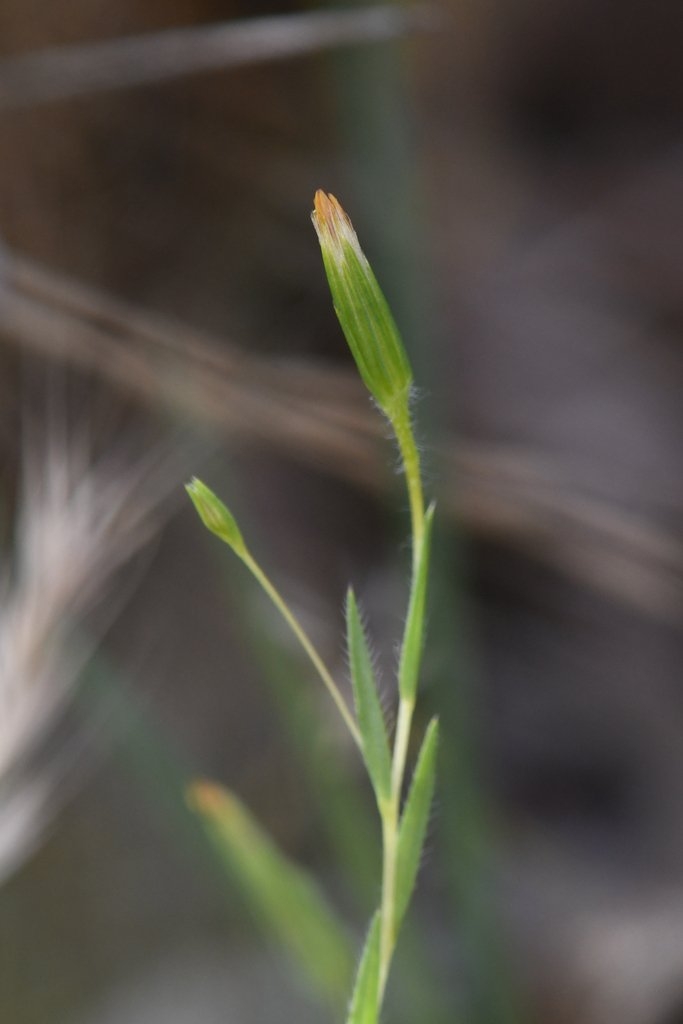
[362, 310]
[78, 522]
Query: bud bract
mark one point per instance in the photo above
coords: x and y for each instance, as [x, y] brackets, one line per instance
[362, 310]
[215, 516]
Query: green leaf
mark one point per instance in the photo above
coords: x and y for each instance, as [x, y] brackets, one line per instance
[368, 708]
[414, 820]
[284, 898]
[362, 310]
[413, 637]
[364, 1008]
[215, 516]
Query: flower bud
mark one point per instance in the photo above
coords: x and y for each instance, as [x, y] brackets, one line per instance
[362, 310]
[215, 516]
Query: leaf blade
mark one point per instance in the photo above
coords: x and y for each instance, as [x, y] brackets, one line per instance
[364, 1006]
[413, 825]
[368, 707]
[284, 898]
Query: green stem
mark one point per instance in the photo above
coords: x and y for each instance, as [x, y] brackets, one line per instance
[390, 823]
[411, 468]
[387, 940]
[391, 812]
[306, 643]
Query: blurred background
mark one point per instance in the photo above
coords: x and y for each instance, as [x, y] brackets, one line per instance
[515, 174]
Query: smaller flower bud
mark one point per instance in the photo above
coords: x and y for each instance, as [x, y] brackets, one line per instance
[362, 310]
[215, 516]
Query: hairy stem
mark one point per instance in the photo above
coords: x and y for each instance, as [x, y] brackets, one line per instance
[391, 812]
[411, 467]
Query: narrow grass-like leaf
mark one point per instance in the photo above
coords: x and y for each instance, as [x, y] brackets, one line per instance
[364, 1008]
[216, 516]
[414, 820]
[413, 637]
[368, 708]
[283, 897]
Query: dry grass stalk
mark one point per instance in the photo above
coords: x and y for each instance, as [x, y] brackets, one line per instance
[121, 63]
[321, 417]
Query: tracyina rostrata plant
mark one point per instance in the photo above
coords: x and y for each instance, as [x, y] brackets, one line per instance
[287, 898]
